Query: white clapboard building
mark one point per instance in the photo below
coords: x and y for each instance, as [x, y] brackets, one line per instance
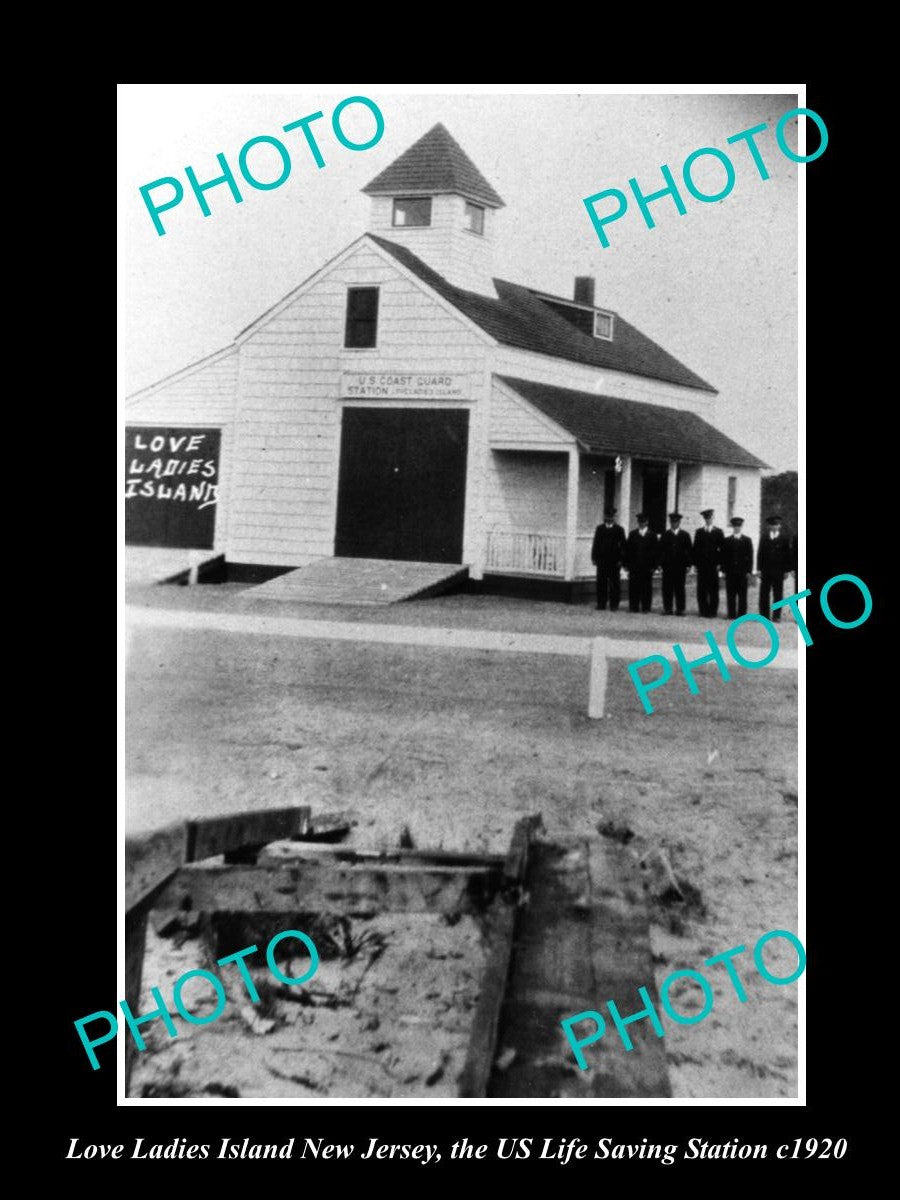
[404, 404]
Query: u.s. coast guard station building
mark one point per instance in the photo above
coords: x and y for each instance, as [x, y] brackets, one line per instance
[404, 404]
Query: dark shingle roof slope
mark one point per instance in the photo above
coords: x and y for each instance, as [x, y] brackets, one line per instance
[435, 163]
[518, 318]
[607, 425]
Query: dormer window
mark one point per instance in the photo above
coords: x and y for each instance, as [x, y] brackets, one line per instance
[412, 211]
[595, 322]
[603, 326]
[474, 219]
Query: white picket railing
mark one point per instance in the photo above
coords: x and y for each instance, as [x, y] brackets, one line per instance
[526, 553]
[537, 553]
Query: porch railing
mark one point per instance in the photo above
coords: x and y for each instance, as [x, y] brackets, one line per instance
[527, 553]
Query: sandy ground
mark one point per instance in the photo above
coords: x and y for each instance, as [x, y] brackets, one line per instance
[456, 745]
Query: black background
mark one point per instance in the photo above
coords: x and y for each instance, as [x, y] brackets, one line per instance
[848, 798]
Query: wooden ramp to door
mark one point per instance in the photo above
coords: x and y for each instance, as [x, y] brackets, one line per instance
[360, 581]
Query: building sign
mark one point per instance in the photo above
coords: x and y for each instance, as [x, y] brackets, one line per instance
[171, 486]
[417, 385]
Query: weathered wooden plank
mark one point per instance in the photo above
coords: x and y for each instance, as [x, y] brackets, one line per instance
[240, 831]
[150, 858]
[354, 890]
[476, 1072]
[321, 852]
[516, 863]
[622, 961]
[499, 925]
[582, 939]
[135, 940]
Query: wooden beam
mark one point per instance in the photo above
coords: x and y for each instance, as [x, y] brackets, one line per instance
[625, 493]
[501, 928]
[597, 681]
[516, 861]
[672, 487]
[473, 1080]
[572, 512]
[242, 831]
[150, 858]
[135, 940]
[581, 940]
[622, 961]
[353, 890]
[285, 852]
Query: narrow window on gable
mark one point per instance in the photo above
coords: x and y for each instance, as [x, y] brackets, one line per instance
[474, 218]
[413, 210]
[732, 495]
[361, 328]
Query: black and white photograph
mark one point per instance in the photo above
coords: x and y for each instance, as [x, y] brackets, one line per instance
[462, 532]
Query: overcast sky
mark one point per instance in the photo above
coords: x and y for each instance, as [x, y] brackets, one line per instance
[716, 287]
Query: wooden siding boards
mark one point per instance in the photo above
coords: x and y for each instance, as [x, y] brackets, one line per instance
[527, 491]
[541, 368]
[276, 396]
[461, 257]
[287, 434]
[514, 420]
[690, 496]
[204, 393]
[748, 501]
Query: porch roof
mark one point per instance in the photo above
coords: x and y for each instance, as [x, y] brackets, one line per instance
[609, 425]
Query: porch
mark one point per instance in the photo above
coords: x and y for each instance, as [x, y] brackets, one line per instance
[544, 506]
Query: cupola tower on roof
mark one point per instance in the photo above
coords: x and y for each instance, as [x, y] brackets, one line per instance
[435, 201]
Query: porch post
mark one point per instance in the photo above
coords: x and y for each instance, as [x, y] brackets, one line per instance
[672, 488]
[625, 493]
[572, 513]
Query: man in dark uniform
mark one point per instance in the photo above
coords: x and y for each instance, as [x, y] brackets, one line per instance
[607, 555]
[737, 563]
[707, 559]
[675, 556]
[641, 559]
[774, 560]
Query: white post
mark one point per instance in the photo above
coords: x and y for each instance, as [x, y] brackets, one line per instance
[597, 686]
[572, 513]
[625, 493]
[672, 488]
[193, 567]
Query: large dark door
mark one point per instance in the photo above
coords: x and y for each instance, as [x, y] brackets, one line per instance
[656, 482]
[402, 484]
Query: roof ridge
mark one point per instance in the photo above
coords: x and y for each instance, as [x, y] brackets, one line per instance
[566, 299]
[521, 320]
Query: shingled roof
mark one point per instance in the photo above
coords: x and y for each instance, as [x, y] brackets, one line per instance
[435, 164]
[519, 318]
[609, 425]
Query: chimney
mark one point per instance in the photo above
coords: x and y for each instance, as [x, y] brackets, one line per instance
[584, 289]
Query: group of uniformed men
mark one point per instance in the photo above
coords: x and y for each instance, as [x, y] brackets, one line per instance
[642, 551]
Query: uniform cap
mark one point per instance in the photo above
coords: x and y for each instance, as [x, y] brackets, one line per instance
[773, 520]
[641, 518]
[737, 521]
[674, 516]
[707, 512]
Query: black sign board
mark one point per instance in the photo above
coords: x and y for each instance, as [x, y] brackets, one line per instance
[171, 486]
